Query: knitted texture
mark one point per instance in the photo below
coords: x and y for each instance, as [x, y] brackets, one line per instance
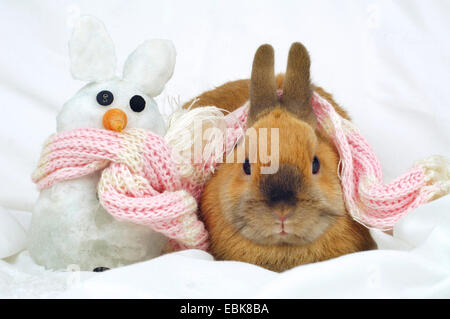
[368, 200]
[144, 179]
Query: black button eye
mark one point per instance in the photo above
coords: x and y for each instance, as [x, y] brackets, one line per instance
[137, 103]
[105, 98]
[247, 167]
[315, 165]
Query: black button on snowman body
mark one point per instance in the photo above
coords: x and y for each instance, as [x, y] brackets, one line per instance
[100, 269]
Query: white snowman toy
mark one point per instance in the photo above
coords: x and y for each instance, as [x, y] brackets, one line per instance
[69, 226]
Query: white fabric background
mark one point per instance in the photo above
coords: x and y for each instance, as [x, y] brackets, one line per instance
[387, 62]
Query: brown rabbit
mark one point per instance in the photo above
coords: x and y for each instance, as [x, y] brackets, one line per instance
[296, 215]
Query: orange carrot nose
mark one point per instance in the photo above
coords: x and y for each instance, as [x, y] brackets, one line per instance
[115, 120]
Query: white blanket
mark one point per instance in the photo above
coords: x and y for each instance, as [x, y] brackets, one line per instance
[386, 62]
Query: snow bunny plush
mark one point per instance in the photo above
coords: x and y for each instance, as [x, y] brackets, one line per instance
[69, 225]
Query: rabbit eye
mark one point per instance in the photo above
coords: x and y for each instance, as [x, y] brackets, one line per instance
[137, 103]
[315, 165]
[105, 98]
[247, 168]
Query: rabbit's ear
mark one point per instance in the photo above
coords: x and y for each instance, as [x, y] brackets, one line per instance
[91, 51]
[150, 66]
[263, 94]
[297, 90]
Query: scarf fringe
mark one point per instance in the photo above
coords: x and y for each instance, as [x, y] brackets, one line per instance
[187, 135]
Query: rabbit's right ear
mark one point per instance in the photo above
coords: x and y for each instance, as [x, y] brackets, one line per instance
[91, 49]
[263, 90]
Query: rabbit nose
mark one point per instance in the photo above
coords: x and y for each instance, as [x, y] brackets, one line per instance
[115, 120]
[283, 186]
[282, 215]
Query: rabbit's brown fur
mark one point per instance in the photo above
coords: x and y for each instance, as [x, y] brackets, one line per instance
[241, 212]
[232, 95]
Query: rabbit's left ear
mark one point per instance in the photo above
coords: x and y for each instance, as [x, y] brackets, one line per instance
[92, 54]
[150, 66]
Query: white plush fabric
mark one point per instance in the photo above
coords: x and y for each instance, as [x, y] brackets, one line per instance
[92, 51]
[150, 66]
[386, 62]
[12, 234]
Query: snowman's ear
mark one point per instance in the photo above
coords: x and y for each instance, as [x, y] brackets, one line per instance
[150, 66]
[91, 49]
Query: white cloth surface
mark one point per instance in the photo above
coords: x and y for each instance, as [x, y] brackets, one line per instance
[386, 62]
[12, 234]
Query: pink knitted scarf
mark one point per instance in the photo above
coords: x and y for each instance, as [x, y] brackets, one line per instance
[143, 182]
[367, 198]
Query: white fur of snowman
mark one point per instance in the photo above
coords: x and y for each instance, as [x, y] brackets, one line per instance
[69, 226]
